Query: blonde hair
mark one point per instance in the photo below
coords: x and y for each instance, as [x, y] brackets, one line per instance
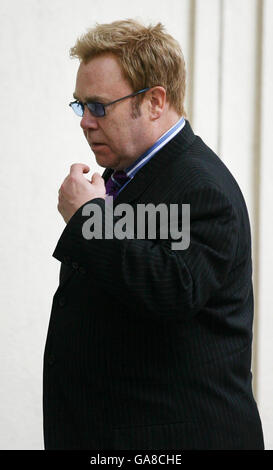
[148, 56]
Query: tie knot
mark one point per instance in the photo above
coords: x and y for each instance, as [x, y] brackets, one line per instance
[115, 182]
[119, 177]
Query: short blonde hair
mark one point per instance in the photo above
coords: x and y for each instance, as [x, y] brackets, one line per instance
[148, 56]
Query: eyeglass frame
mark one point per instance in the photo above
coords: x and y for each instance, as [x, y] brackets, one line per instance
[104, 105]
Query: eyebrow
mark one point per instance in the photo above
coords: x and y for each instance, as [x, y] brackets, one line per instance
[93, 98]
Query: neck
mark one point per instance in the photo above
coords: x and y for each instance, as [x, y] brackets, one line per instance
[151, 135]
[162, 125]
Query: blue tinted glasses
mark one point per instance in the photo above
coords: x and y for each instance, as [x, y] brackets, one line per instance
[98, 109]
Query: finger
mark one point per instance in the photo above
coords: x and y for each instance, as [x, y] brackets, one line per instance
[78, 169]
[97, 179]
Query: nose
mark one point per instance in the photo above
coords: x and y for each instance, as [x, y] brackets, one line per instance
[88, 121]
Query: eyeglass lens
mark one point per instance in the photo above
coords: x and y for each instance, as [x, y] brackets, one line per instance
[97, 109]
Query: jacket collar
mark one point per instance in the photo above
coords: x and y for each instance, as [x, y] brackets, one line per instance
[145, 176]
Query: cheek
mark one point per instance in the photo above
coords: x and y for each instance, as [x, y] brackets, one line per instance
[120, 134]
[116, 133]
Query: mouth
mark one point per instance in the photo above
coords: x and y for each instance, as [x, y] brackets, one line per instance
[95, 145]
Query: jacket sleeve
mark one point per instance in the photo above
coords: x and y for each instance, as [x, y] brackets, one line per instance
[149, 275]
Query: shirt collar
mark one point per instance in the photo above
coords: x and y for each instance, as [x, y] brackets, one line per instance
[163, 140]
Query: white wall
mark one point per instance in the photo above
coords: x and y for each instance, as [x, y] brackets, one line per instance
[227, 46]
[265, 303]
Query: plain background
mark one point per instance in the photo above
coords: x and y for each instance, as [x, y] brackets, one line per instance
[228, 51]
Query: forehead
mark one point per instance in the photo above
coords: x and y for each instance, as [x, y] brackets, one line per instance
[101, 76]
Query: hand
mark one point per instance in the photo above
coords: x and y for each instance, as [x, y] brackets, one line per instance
[76, 190]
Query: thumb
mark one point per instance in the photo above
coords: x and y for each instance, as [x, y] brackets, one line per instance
[96, 178]
[99, 182]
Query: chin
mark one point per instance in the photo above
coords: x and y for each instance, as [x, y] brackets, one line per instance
[106, 162]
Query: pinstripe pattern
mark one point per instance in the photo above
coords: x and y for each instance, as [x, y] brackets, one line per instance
[149, 348]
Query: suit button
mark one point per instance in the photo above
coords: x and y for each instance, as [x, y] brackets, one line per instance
[75, 265]
[51, 359]
[62, 301]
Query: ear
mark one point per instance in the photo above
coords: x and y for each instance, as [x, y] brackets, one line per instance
[156, 101]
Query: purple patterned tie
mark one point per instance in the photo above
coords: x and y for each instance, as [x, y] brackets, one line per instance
[115, 182]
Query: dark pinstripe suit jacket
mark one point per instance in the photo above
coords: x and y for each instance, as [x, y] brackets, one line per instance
[147, 347]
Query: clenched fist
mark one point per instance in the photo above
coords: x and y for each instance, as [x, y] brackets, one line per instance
[76, 190]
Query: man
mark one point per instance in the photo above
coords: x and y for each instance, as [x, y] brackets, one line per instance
[148, 347]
